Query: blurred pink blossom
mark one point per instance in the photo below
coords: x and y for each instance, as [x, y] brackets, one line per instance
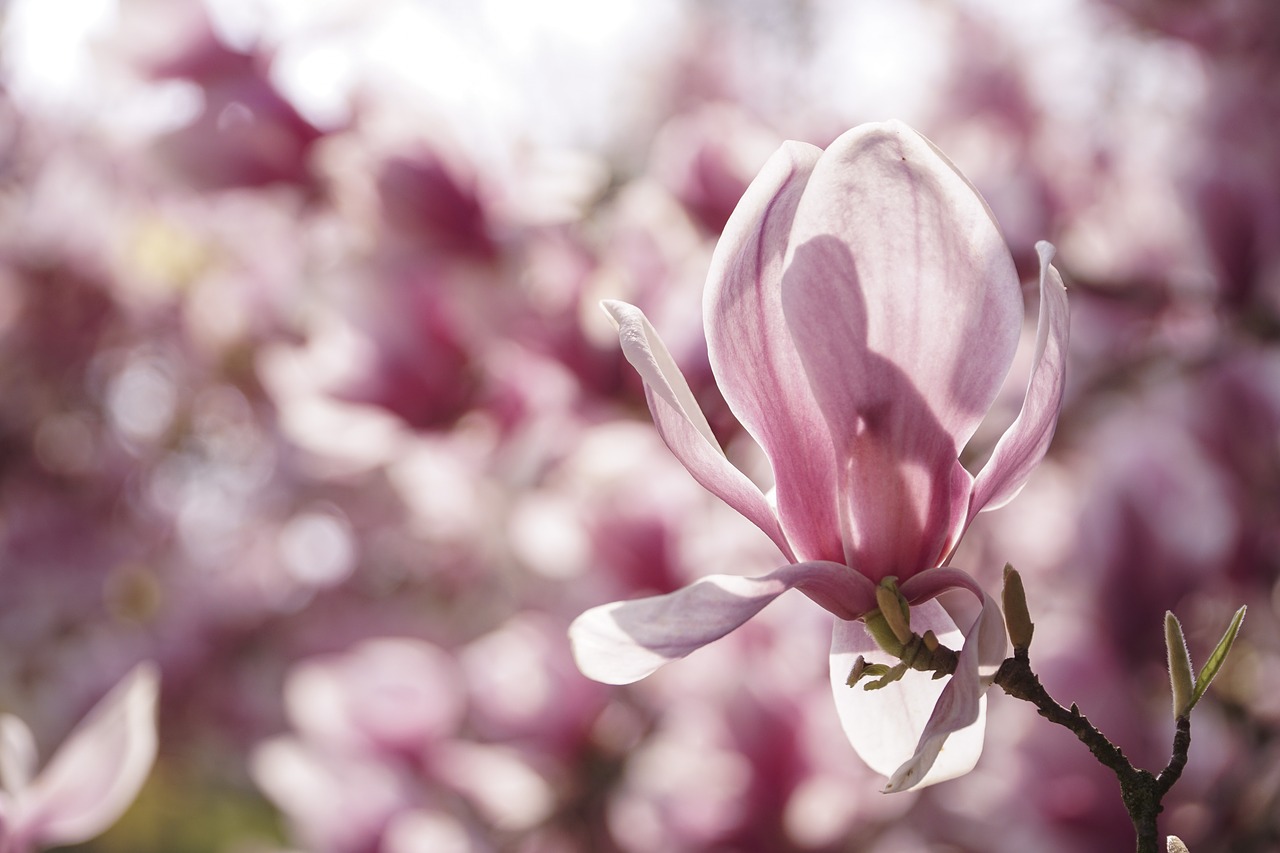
[708, 157]
[874, 260]
[377, 744]
[90, 780]
[392, 695]
[246, 134]
[425, 201]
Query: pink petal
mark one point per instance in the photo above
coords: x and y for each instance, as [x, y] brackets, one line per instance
[96, 773]
[625, 641]
[905, 308]
[1023, 445]
[755, 361]
[683, 426]
[885, 726]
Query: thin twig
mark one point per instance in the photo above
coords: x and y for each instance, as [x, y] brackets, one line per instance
[1141, 790]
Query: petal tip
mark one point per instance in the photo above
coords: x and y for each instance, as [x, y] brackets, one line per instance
[604, 652]
[145, 679]
[614, 310]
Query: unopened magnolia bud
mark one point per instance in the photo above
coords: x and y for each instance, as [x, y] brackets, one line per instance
[895, 609]
[1017, 619]
[1174, 845]
[1179, 666]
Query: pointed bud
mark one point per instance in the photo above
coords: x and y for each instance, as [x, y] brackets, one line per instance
[1017, 619]
[1174, 845]
[1179, 666]
[896, 611]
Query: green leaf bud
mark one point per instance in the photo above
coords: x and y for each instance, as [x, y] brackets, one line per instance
[1217, 657]
[1179, 666]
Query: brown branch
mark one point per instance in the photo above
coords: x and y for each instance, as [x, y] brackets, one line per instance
[1140, 790]
[1178, 760]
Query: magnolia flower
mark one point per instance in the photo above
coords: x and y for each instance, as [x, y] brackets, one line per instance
[861, 312]
[91, 779]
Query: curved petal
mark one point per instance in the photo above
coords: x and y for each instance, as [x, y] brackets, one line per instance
[885, 726]
[17, 754]
[755, 361]
[903, 302]
[96, 773]
[683, 426]
[625, 641]
[1024, 443]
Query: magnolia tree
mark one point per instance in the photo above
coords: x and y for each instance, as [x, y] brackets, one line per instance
[861, 312]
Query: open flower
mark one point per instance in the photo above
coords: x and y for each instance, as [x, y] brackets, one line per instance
[862, 311]
[90, 780]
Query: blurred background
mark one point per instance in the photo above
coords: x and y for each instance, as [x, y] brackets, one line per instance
[304, 394]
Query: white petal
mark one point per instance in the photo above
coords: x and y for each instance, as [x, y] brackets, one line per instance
[952, 740]
[885, 725]
[96, 773]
